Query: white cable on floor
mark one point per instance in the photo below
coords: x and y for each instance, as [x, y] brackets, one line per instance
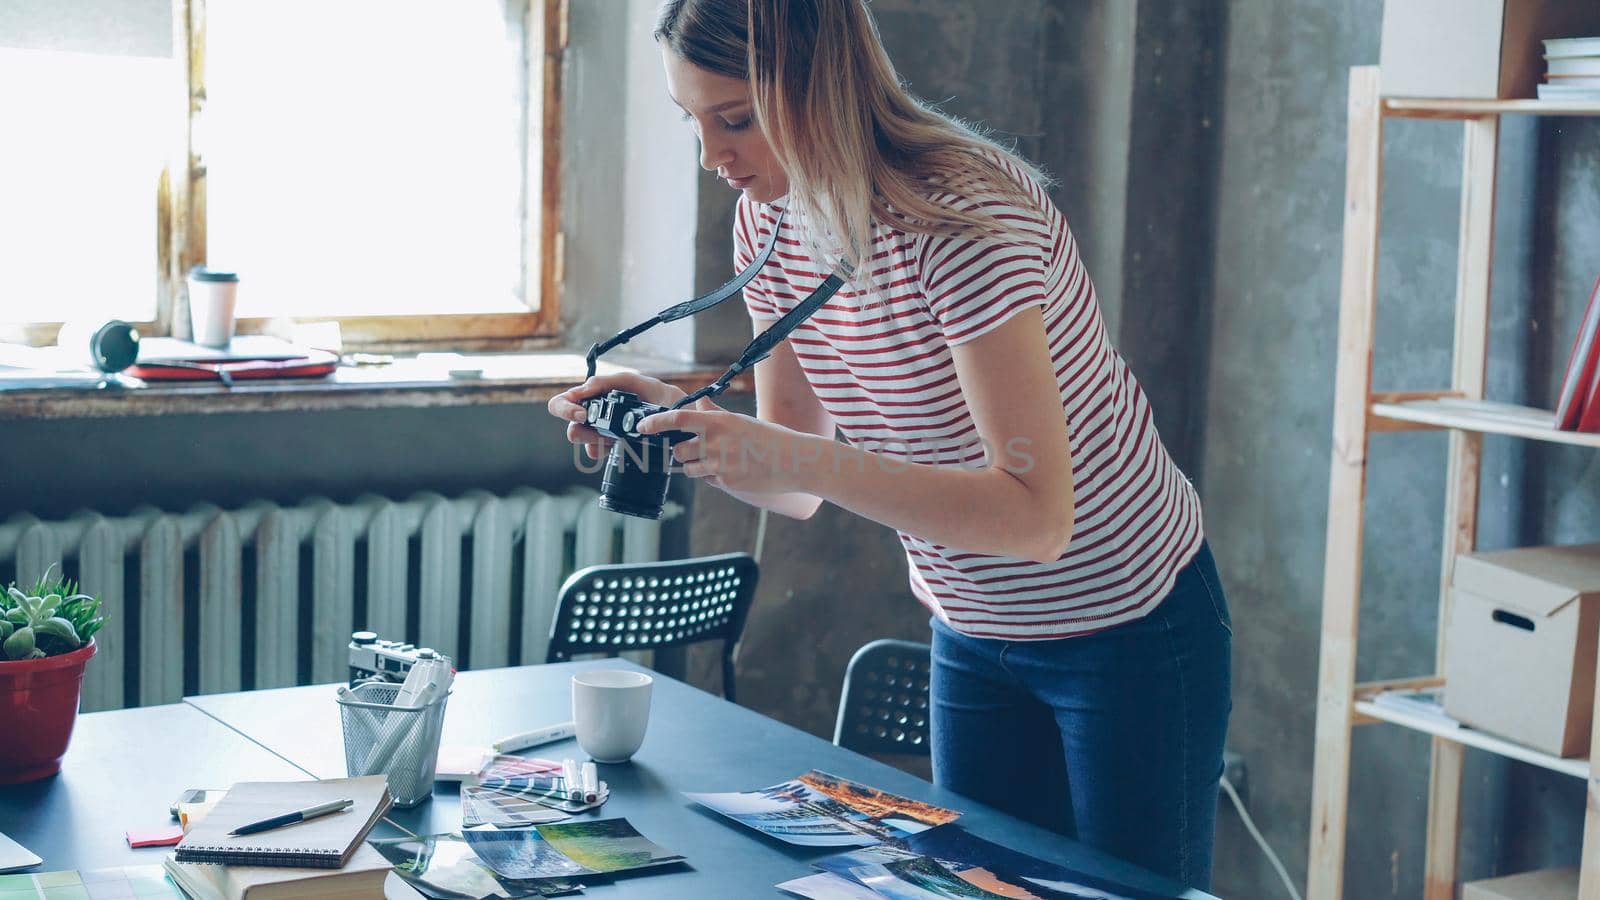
[1250, 826]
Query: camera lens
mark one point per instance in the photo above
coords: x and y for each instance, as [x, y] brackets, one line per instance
[635, 483]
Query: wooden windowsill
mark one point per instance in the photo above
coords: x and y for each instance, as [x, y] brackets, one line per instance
[531, 378]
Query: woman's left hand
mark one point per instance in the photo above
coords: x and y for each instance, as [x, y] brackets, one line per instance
[734, 451]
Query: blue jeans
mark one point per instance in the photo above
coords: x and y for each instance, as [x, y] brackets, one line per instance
[1113, 738]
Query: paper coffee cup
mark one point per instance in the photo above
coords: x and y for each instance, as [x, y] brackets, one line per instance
[213, 297]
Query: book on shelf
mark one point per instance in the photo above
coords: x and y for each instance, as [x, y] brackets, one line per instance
[1572, 70]
[1589, 418]
[1573, 67]
[1569, 93]
[1574, 83]
[1576, 383]
[1423, 703]
[1567, 48]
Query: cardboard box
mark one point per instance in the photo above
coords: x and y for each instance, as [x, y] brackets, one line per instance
[1474, 49]
[1545, 884]
[1520, 659]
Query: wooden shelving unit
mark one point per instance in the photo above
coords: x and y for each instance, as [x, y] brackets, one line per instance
[1342, 704]
[1452, 731]
[1483, 416]
[1406, 108]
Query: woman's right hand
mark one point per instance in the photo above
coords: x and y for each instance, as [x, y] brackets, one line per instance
[568, 405]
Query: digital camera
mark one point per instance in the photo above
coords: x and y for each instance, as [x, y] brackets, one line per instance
[372, 658]
[635, 482]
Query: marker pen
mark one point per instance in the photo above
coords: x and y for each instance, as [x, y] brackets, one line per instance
[591, 783]
[546, 735]
[569, 778]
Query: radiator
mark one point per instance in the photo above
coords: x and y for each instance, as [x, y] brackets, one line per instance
[266, 596]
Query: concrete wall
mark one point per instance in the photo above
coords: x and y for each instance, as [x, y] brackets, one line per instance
[629, 175]
[662, 189]
[1267, 426]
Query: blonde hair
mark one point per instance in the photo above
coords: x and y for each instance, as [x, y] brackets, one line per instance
[857, 147]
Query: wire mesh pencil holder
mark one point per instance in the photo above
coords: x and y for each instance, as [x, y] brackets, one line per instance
[398, 742]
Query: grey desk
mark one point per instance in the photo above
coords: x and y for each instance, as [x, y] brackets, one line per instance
[696, 742]
[122, 771]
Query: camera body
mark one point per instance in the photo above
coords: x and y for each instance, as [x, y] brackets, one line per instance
[372, 658]
[617, 414]
[637, 470]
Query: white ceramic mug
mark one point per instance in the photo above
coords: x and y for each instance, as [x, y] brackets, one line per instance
[611, 708]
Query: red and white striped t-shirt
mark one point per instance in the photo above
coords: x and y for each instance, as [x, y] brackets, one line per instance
[881, 365]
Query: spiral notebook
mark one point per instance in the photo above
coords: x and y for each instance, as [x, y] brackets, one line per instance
[323, 842]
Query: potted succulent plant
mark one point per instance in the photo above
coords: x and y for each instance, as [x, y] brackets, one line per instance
[46, 637]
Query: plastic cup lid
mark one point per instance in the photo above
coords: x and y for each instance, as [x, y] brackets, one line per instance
[201, 273]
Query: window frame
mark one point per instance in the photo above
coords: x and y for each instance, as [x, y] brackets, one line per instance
[181, 213]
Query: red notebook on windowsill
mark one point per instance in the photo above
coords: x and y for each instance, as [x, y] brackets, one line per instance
[248, 356]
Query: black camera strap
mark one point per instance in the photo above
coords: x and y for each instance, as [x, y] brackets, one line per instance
[690, 307]
[766, 341]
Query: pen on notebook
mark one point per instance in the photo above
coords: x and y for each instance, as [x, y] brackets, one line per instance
[545, 735]
[299, 815]
[569, 780]
[591, 783]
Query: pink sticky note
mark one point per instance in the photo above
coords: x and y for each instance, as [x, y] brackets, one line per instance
[160, 836]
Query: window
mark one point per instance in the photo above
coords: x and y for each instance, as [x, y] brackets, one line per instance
[85, 139]
[389, 165]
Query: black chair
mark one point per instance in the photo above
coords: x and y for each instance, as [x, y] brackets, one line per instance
[884, 706]
[647, 606]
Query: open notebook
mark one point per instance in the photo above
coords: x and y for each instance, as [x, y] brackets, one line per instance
[323, 842]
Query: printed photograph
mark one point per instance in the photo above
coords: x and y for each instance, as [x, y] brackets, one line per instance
[606, 845]
[828, 886]
[843, 864]
[989, 867]
[443, 866]
[1010, 873]
[522, 854]
[918, 878]
[822, 810]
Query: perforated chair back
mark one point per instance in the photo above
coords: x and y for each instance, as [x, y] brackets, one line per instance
[646, 606]
[884, 706]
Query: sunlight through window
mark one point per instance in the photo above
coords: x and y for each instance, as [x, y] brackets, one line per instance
[366, 157]
[83, 138]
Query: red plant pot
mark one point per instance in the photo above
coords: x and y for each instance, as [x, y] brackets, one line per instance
[38, 706]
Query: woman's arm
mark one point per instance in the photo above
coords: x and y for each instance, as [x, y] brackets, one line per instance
[1021, 504]
[784, 397]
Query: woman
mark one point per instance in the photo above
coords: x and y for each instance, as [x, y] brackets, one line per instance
[1080, 636]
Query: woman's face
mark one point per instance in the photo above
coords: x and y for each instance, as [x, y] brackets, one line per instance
[731, 143]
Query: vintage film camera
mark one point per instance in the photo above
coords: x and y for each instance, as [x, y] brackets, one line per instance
[372, 658]
[638, 467]
[635, 482]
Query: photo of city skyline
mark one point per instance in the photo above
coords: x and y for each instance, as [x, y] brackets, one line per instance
[822, 810]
